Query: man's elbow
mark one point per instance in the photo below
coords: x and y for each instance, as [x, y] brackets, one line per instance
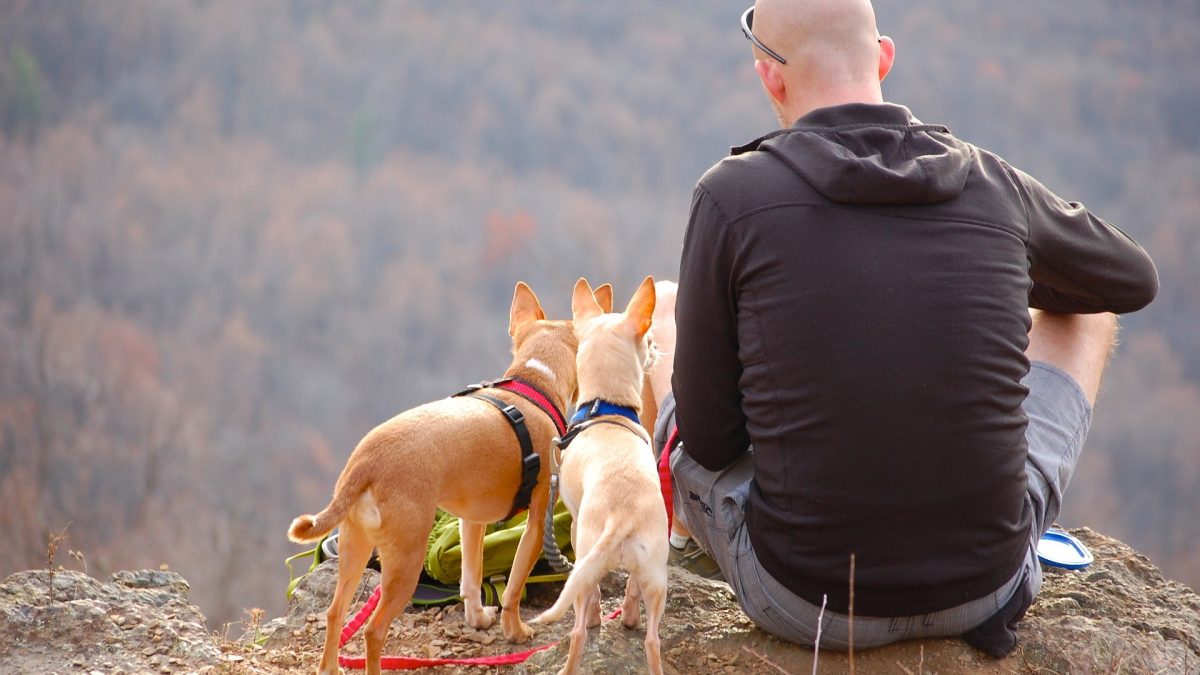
[1141, 288]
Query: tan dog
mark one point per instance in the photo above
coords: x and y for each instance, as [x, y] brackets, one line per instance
[462, 455]
[608, 478]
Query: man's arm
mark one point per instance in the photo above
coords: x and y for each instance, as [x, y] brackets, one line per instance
[1079, 263]
[707, 368]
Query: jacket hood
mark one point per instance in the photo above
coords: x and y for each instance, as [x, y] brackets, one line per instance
[871, 154]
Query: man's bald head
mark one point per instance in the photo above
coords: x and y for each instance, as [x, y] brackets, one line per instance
[832, 47]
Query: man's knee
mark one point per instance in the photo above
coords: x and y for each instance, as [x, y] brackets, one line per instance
[1078, 344]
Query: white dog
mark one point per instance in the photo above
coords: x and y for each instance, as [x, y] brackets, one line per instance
[608, 477]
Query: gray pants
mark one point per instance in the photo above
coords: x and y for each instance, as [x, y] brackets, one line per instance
[712, 505]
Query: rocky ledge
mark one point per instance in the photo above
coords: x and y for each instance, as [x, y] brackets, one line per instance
[1118, 616]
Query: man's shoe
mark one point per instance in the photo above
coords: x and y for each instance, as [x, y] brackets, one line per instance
[693, 559]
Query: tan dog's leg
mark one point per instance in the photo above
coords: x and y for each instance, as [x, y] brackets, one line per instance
[354, 550]
[530, 546]
[401, 558]
[477, 616]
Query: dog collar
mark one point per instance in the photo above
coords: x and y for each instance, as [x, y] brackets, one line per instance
[536, 397]
[526, 391]
[599, 408]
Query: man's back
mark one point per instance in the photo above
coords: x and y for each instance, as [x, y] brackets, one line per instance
[855, 290]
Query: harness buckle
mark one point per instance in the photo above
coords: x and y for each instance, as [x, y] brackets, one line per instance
[478, 386]
[472, 388]
[513, 413]
[531, 465]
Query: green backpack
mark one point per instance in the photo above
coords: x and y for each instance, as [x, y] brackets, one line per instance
[443, 559]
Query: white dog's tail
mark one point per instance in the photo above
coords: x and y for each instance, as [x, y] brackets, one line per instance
[588, 571]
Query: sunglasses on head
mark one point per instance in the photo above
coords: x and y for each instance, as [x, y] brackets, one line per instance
[747, 22]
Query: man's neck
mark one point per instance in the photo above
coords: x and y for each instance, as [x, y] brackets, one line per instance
[817, 99]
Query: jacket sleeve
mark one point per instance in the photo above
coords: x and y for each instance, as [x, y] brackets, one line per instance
[1080, 264]
[707, 368]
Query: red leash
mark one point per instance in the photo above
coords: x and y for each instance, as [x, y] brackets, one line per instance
[414, 662]
[664, 475]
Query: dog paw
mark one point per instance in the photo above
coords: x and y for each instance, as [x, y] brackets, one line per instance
[517, 632]
[482, 618]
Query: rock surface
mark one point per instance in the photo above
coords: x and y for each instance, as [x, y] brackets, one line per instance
[69, 622]
[1118, 616]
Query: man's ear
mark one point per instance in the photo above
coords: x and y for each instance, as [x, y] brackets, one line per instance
[583, 302]
[640, 311]
[525, 308]
[604, 296]
[887, 56]
[772, 79]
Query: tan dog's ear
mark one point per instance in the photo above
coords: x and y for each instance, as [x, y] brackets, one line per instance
[640, 311]
[604, 296]
[583, 302]
[525, 308]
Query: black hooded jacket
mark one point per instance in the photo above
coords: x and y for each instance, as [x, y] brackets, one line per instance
[853, 301]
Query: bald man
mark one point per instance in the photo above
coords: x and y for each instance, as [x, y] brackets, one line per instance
[889, 345]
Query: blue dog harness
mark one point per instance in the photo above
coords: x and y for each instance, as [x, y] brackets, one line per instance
[589, 414]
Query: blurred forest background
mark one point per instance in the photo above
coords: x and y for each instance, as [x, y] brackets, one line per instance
[235, 236]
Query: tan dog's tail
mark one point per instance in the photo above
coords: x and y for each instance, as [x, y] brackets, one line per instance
[308, 528]
[587, 573]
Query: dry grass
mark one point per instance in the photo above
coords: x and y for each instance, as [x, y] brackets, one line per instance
[53, 541]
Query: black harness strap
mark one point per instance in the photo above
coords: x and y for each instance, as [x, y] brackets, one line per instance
[531, 464]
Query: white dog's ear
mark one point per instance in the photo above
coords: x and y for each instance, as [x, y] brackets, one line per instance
[640, 312]
[525, 308]
[604, 296]
[583, 302]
